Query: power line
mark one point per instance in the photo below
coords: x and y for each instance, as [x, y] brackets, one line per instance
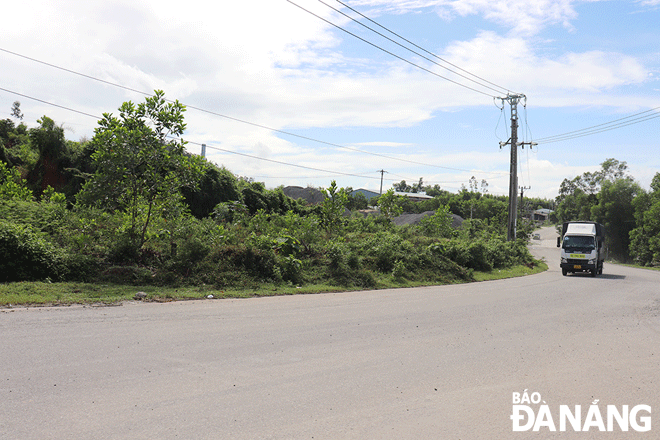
[50, 103]
[410, 50]
[606, 126]
[388, 52]
[199, 144]
[421, 48]
[231, 117]
[332, 173]
[339, 173]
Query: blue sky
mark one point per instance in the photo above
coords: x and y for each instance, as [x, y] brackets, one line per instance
[267, 62]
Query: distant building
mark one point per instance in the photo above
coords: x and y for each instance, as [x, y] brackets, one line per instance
[541, 215]
[367, 194]
[415, 197]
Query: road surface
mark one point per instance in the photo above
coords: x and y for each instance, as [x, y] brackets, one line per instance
[427, 363]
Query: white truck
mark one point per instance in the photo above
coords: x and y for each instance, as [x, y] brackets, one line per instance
[582, 247]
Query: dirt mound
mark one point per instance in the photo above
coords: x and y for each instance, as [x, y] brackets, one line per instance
[414, 219]
[311, 195]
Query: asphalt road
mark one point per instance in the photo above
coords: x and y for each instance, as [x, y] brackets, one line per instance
[427, 363]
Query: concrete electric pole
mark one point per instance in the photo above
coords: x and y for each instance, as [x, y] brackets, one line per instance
[381, 180]
[522, 193]
[513, 100]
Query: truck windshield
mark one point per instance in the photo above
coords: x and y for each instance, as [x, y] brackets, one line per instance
[579, 241]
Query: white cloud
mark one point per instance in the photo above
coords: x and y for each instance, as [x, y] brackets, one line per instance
[523, 16]
[546, 79]
[270, 63]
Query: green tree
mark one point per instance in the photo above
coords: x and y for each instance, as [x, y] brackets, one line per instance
[615, 210]
[645, 238]
[434, 190]
[414, 188]
[14, 144]
[7, 127]
[472, 183]
[578, 196]
[611, 170]
[419, 186]
[54, 158]
[141, 163]
[48, 138]
[438, 224]
[390, 204]
[218, 185]
[12, 187]
[402, 187]
[356, 201]
[16, 110]
[254, 196]
[333, 207]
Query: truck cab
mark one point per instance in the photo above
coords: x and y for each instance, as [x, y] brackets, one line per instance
[582, 247]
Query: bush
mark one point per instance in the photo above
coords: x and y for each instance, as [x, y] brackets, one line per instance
[81, 267]
[479, 258]
[485, 255]
[472, 255]
[124, 250]
[238, 265]
[399, 270]
[336, 253]
[134, 275]
[27, 256]
[291, 269]
[382, 250]
[438, 224]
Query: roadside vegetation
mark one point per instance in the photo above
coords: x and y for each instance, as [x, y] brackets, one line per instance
[630, 214]
[129, 210]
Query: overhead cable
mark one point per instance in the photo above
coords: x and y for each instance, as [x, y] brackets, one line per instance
[504, 89]
[234, 118]
[199, 144]
[50, 103]
[388, 52]
[636, 118]
[501, 89]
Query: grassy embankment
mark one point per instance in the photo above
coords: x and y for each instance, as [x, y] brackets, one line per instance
[67, 293]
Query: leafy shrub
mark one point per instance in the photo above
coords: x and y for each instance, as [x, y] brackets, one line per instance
[353, 260]
[336, 253]
[291, 269]
[286, 245]
[399, 270]
[12, 186]
[124, 250]
[134, 275]
[479, 258]
[472, 255]
[484, 255]
[80, 267]
[236, 265]
[438, 224]
[193, 250]
[383, 249]
[228, 212]
[27, 256]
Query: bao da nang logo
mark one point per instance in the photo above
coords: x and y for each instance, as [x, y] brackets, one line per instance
[531, 413]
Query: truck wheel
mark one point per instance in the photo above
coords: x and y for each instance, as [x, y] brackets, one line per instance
[564, 272]
[600, 270]
[594, 272]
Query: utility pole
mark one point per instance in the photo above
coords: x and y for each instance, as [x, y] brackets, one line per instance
[381, 180]
[513, 100]
[522, 192]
